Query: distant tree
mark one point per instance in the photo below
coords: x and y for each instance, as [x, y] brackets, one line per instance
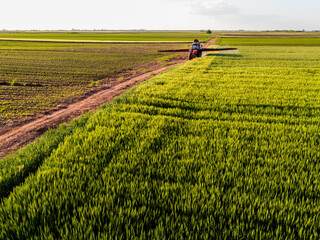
[209, 31]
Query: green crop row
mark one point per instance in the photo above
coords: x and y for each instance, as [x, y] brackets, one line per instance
[223, 147]
[15, 168]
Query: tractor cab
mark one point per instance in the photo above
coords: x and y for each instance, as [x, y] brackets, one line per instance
[196, 46]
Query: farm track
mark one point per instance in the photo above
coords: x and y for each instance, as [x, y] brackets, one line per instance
[19, 136]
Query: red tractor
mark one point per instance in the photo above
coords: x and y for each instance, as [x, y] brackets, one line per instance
[196, 50]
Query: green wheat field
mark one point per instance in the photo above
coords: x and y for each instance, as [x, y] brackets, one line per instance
[222, 147]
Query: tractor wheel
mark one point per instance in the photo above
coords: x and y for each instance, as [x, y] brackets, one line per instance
[191, 55]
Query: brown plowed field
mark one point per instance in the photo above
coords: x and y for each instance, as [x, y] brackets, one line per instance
[14, 138]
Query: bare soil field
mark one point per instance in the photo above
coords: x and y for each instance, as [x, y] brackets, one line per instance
[35, 77]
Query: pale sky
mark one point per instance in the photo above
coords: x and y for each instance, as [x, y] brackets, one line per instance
[160, 14]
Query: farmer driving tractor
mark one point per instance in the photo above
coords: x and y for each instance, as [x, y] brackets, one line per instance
[195, 50]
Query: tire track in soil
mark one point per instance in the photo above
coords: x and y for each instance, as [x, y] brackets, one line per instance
[22, 135]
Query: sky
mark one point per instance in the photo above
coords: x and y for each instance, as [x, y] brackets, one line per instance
[160, 14]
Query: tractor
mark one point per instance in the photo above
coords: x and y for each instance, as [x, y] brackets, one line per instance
[195, 50]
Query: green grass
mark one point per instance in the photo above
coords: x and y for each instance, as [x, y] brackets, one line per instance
[186, 36]
[222, 147]
[265, 41]
[269, 33]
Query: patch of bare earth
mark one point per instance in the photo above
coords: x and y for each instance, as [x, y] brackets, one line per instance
[15, 135]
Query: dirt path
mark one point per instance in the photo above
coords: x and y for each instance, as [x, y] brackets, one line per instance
[21, 135]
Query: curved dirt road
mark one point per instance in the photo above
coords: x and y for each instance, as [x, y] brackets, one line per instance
[21, 135]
